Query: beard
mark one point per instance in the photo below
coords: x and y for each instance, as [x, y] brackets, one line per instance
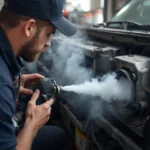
[29, 51]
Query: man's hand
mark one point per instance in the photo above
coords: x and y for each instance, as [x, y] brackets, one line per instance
[38, 115]
[28, 81]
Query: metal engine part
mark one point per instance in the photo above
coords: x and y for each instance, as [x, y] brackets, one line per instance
[101, 54]
[139, 69]
[104, 141]
[122, 73]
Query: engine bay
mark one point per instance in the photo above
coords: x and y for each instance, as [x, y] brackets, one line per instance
[118, 125]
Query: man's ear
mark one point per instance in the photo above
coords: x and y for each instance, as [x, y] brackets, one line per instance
[29, 28]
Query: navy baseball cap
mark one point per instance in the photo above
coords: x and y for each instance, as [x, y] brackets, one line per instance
[51, 10]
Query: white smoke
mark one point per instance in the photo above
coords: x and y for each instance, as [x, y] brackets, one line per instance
[109, 88]
[68, 62]
[68, 69]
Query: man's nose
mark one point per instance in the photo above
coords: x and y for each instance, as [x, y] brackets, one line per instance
[48, 43]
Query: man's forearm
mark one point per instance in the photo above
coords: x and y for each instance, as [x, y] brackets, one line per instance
[26, 137]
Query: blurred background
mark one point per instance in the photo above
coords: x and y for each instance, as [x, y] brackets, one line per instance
[89, 12]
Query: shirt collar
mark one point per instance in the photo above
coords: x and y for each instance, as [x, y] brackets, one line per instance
[14, 64]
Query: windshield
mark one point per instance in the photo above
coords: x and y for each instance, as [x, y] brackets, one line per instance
[136, 10]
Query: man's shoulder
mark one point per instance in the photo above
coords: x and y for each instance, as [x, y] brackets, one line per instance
[5, 75]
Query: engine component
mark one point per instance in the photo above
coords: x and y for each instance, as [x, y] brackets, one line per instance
[138, 68]
[101, 54]
[146, 131]
[122, 73]
[103, 141]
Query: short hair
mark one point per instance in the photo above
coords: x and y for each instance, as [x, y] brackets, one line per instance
[12, 20]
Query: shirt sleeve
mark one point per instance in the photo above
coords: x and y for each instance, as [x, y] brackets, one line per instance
[7, 111]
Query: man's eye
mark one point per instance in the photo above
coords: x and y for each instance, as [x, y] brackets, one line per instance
[48, 35]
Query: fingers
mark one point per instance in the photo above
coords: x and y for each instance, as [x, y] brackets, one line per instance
[26, 91]
[32, 83]
[35, 96]
[32, 77]
[35, 76]
[48, 103]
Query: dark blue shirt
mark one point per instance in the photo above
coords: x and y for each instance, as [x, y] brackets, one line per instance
[9, 68]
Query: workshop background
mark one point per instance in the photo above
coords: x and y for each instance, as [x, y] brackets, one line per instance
[87, 12]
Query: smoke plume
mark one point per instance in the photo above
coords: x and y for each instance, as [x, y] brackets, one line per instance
[68, 65]
[109, 88]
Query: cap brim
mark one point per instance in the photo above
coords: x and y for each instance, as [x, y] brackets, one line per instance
[65, 26]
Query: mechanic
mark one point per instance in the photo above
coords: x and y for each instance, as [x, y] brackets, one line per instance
[26, 27]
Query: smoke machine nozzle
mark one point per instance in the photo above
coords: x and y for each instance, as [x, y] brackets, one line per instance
[48, 88]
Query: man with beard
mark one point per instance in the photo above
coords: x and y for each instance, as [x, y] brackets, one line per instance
[26, 27]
